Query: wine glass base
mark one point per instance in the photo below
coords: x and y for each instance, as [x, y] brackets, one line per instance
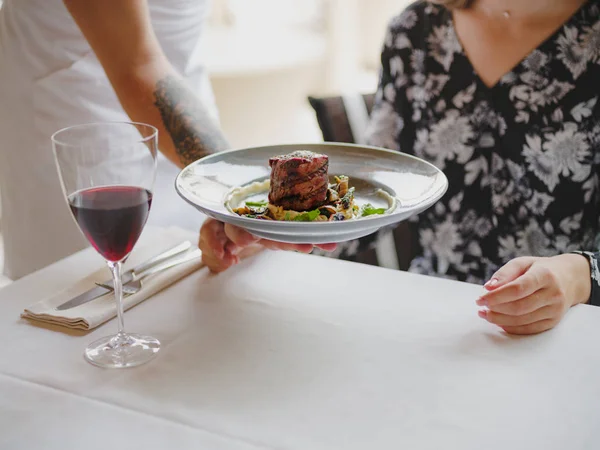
[122, 350]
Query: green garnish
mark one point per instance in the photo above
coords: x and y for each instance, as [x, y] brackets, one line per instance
[369, 210]
[287, 216]
[258, 204]
[307, 216]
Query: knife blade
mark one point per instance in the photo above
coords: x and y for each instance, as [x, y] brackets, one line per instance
[87, 296]
[99, 291]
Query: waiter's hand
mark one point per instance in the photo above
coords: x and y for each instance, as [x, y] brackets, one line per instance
[223, 245]
[530, 295]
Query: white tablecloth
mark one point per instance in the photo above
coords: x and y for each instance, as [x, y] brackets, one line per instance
[290, 351]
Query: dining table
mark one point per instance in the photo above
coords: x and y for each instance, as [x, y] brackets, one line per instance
[299, 352]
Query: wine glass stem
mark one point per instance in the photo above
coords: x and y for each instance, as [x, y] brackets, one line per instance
[115, 268]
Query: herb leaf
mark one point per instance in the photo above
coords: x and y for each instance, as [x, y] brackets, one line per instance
[369, 210]
[307, 216]
[258, 204]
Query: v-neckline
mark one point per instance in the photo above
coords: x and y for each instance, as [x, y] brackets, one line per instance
[513, 70]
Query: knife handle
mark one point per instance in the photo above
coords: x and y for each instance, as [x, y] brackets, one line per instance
[181, 248]
[168, 264]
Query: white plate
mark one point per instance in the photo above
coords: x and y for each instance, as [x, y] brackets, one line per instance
[416, 184]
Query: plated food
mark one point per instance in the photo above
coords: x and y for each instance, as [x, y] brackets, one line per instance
[397, 186]
[300, 190]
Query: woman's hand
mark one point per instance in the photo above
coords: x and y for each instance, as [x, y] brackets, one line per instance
[530, 295]
[223, 245]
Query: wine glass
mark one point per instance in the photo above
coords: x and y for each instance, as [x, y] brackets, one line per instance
[107, 173]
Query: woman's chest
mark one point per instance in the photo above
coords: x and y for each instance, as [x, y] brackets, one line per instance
[496, 43]
[523, 151]
[550, 128]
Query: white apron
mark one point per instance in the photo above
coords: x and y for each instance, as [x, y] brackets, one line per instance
[51, 79]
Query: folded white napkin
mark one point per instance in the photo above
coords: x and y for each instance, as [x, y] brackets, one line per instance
[96, 312]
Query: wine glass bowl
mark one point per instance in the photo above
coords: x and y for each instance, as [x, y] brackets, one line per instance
[107, 173]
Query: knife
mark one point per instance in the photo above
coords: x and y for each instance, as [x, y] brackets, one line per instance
[134, 286]
[99, 291]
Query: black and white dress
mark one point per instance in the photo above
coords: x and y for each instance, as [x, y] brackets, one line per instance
[522, 157]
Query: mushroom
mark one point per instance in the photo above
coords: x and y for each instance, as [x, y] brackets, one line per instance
[327, 210]
[342, 186]
[332, 195]
[242, 211]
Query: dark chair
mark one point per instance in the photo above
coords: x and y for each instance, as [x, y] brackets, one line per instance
[343, 119]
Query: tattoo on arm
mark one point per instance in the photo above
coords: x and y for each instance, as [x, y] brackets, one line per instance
[193, 132]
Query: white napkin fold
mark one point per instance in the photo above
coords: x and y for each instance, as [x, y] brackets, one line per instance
[94, 313]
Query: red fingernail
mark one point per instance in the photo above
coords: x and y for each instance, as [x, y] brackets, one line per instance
[482, 313]
[482, 301]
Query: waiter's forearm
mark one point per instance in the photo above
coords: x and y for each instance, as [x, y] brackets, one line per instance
[120, 33]
[192, 132]
[156, 95]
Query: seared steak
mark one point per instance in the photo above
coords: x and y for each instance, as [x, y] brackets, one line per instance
[299, 181]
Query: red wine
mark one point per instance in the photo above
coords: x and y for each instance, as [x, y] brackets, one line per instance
[111, 217]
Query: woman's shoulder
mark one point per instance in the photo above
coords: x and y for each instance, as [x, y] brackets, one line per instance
[416, 22]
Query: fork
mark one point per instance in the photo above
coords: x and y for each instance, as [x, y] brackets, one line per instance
[134, 286]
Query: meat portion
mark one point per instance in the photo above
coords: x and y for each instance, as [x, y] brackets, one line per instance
[299, 181]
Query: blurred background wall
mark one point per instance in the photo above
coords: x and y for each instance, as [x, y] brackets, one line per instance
[266, 56]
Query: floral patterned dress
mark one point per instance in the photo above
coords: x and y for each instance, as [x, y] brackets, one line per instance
[522, 157]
